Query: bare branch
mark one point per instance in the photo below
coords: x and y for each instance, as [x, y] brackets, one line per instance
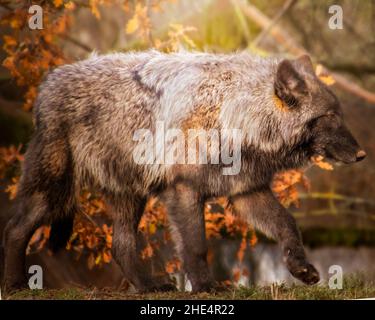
[77, 43]
[287, 5]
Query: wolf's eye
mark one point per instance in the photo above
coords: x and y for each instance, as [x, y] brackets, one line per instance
[325, 122]
[334, 118]
[332, 114]
[313, 122]
[321, 121]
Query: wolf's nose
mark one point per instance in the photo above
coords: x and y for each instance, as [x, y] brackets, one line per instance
[361, 154]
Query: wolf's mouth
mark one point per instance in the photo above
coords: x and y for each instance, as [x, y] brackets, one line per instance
[333, 161]
[338, 161]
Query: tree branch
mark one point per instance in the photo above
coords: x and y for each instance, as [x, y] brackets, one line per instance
[287, 5]
[77, 43]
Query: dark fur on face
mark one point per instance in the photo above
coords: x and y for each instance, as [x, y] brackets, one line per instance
[325, 134]
[332, 139]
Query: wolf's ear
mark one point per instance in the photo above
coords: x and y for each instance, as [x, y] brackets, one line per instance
[289, 86]
[306, 63]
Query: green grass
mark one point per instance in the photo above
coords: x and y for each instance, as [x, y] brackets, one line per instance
[354, 287]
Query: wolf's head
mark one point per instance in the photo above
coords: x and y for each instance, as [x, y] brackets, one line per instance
[317, 110]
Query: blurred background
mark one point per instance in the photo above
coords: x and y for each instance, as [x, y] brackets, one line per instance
[335, 209]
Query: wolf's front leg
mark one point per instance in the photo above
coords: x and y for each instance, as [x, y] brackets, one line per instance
[186, 213]
[262, 210]
[127, 212]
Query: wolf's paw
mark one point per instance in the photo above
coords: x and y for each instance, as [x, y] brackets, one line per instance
[165, 287]
[305, 272]
[208, 286]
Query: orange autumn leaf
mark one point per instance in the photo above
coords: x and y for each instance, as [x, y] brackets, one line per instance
[253, 239]
[107, 256]
[12, 188]
[132, 25]
[9, 42]
[284, 185]
[286, 179]
[147, 252]
[94, 8]
[241, 250]
[58, 3]
[319, 161]
[140, 22]
[173, 265]
[39, 239]
[70, 5]
[323, 75]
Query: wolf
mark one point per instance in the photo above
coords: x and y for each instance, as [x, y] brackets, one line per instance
[86, 115]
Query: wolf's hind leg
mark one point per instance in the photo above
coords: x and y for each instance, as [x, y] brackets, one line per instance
[18, 231]
[262, 210]
[45, 194]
